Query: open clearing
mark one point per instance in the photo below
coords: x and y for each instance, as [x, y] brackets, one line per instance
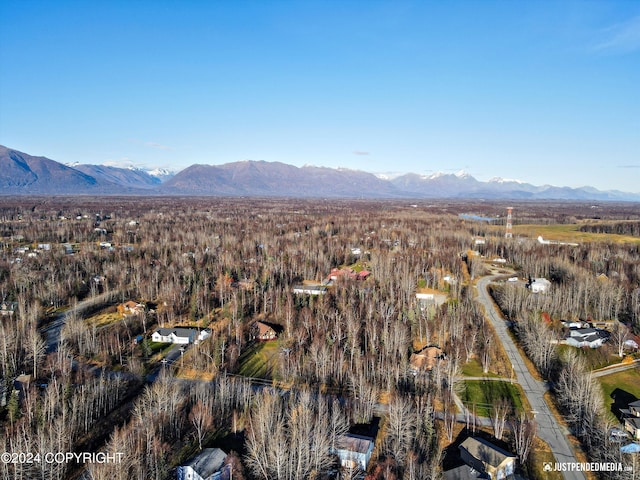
[260, 360]
[481, 395]
[570, 233]
[625, 384]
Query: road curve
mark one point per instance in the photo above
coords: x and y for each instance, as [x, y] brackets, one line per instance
[549, 430]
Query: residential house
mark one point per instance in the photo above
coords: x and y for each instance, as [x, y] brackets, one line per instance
[574, 324]
[310, 289]
[207, 465]
[427, 297]
[425, 360]
[487, 458]
[632, 343]
[631, 419]
[263, 332]
[346, 272]
[7, 309]
[180, 335]
[130, 308]
[632, 425]
[354, 451]
[463, 472]
[539, 285]
[586, 337]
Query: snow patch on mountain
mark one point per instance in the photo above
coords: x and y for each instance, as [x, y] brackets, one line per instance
[505, 180]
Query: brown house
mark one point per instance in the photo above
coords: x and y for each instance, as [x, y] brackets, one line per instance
[425, 360]
[263, 332]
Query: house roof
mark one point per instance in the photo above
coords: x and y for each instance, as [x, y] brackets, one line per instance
[178, 332]
[207, 462]
[354, 443]
[463, 472]
[633, 421]
[587, 334]
[426, 359]
[635, 404]
[264, 329]
[485, 451]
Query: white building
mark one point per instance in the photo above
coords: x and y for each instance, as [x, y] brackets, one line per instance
[540, 285]
[586, 337]
[354, 450]
[180, 335]
[310, 289]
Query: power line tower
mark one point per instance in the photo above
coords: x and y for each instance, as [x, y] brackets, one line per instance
[509, 230]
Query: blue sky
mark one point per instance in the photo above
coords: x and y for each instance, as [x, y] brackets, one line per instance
[545, 91]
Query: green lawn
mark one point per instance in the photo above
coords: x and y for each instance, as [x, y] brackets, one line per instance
[473, 368]
[481, 394]
[260, 360]
[626, 385]
[156, 347]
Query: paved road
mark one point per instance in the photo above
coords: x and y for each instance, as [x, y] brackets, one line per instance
[51, 331]
[615, 368]
[549, 429]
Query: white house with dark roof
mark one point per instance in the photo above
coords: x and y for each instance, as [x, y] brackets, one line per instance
[354, 451]
[207, 465]
[586, 337]
[179, 335]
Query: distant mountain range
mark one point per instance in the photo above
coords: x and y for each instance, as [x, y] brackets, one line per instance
[23, 174]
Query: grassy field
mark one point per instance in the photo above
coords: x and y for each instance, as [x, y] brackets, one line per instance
[260, 360]
[540, 454]
[570, 233]
[473, 369]
[626, 385]
[483, 394]
[103, 319]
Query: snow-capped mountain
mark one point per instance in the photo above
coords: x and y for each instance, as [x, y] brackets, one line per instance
[22, 174]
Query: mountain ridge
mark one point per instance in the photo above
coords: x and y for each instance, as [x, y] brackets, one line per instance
[23, 174]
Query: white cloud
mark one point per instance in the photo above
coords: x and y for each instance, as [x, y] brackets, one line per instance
[622, 37]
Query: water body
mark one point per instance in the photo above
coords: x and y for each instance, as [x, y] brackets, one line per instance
[478, 218]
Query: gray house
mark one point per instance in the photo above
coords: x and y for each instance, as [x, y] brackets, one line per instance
[207, 465]
[586, 337]
[631, 419]
[485, 457]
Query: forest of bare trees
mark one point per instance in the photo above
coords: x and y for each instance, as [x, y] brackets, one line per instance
[224, 263]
